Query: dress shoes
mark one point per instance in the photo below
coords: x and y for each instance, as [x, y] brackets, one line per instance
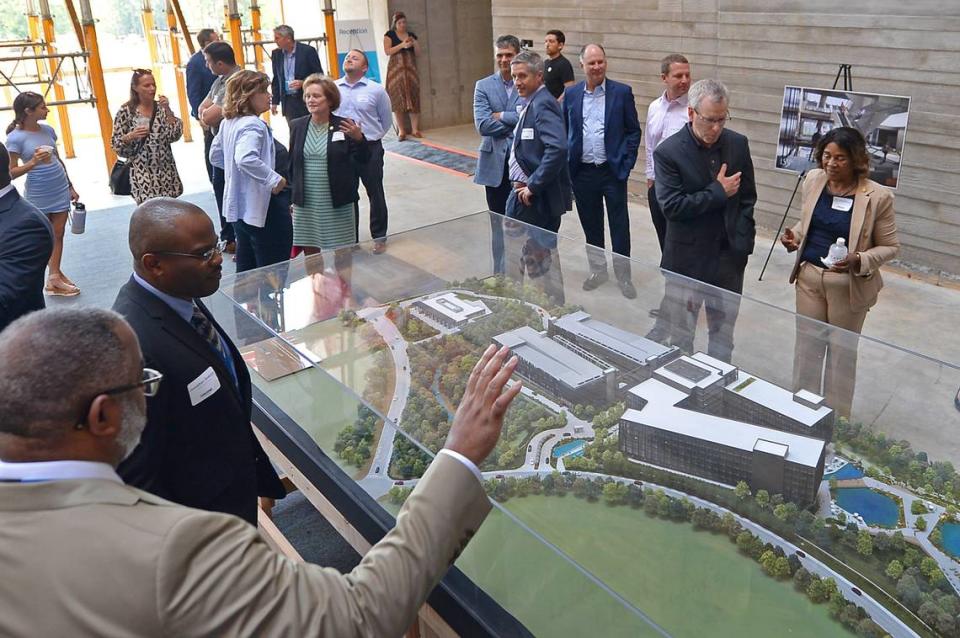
[627, 289]
[595, 280]
[379, 247]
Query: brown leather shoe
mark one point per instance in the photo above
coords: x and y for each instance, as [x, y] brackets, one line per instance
[379, 247]
[230, 248]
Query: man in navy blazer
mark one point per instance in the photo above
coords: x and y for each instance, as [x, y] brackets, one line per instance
[292, 62]
[199, 80]
[603, 135]
[26, 241]
[538, 157]
[496, 111]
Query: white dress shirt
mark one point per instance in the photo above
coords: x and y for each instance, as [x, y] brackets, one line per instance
[57, 471]
[366, 103]
[593, 111]
[244, 149]
[664, 118]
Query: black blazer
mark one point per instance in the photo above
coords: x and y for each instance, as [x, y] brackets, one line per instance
[699, 214]
[306, 61]
[204, 456]
[26, 241]
[342, 158]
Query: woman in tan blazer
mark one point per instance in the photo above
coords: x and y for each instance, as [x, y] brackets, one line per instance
[838, 201]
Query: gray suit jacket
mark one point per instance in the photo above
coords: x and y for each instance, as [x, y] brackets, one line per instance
[489, 97]
[543, 155]
[97, 558]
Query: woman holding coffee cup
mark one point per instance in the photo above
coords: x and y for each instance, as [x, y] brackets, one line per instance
[143, 131]
[33, 152]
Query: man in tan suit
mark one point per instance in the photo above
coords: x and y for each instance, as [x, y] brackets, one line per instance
[85, 555]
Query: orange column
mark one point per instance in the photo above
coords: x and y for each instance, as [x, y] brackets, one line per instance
[178, 73]
[95, 70]
[49, 35]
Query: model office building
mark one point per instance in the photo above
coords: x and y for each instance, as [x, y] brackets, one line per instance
[704, 417]
[568, 372]
[635, 357]
[451, 311]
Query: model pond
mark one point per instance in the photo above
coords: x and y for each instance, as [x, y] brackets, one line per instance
[876, 508]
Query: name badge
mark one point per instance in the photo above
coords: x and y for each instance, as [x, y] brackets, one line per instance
[203, 386]
[842, 204]
[337, 136]
[526, 134]
[519, 108]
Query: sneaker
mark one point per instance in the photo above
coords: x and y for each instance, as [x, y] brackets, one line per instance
[595, 280]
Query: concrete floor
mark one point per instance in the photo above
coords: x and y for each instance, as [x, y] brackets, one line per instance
[912, 394]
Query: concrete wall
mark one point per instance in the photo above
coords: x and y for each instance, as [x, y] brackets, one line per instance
[456, 42]
[758, 46]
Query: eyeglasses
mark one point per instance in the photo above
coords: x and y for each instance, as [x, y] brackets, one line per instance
[150, 384]
[713, 121]
[206, 255]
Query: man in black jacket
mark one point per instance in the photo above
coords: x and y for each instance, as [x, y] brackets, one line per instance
[292, 63]
[26, 241]
[198, 447]
[705, 187]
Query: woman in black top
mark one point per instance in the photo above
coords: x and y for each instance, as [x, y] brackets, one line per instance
[403, 81]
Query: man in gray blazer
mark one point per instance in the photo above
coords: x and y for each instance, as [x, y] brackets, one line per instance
[85, 555]
[496, 109]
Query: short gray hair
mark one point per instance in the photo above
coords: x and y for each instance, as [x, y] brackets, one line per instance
[583, 49]
[532, 59]
[709, 88]
[55, 362]
[284, 31]
[505, 41]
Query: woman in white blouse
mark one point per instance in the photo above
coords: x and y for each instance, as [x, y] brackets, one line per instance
[244, 149]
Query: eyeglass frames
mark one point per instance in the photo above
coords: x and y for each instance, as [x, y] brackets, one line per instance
[206, 255]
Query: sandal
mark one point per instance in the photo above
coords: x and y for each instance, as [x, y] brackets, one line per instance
[61, 289]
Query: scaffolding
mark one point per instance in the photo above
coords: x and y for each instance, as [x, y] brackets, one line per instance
[66, 78]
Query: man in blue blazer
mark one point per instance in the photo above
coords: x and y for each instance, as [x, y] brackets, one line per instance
[538, 156]
[199, 80]
[603, 135]
[292, 63]
[26, 241]
[496, 110]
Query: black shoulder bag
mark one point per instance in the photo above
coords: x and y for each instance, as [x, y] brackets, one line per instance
[120, 173]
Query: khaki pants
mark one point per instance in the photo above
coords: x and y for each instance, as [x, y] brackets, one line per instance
[825, 357]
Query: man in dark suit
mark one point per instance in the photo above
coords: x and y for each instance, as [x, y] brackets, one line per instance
[603, 135]
[706, 190]
[292, 62]
[198, 448]
[199, 80]
[538, 157]
[26, 241]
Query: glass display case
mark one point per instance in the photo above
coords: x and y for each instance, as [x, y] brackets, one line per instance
[685, 463]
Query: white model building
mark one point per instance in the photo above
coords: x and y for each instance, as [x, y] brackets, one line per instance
[569, 373]
[451, 311]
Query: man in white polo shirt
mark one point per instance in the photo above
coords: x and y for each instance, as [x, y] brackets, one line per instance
[367, 103]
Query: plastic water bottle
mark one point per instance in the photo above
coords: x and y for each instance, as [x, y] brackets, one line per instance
[838, 251]
[78, 220]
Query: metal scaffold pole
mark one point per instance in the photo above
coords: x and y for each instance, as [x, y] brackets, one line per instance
[330, 27]
[233, 22]
[178, 72]
[49, 35]
[148, 34]
[95, 69]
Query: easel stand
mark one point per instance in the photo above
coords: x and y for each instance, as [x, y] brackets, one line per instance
[844, 72]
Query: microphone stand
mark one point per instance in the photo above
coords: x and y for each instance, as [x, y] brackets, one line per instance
[783, 220]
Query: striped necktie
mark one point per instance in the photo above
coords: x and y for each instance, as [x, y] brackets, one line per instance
[206, 329]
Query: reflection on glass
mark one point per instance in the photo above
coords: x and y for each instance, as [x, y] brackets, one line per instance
[653, 480]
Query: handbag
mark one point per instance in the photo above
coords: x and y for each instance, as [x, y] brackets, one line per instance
[120, 173]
